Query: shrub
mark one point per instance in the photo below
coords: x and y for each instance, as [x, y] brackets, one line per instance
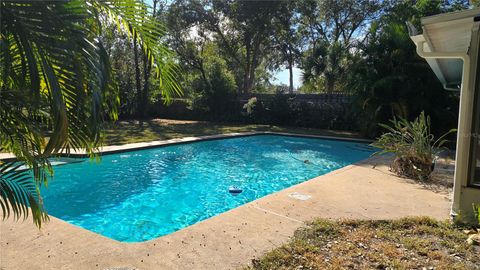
[250, 106]
[214, 98]
[412, 144]
[221, 96]
[280, 109]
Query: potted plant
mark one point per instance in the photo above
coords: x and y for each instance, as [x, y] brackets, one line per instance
[413, 145]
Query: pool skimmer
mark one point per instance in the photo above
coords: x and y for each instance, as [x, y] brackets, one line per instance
[299, 196]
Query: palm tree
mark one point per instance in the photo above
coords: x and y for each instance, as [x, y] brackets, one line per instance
[56, 80]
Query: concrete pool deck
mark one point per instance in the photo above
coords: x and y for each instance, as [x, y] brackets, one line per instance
[232, 239]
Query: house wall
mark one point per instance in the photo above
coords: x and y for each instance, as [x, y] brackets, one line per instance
[465, 196]
[469, 196]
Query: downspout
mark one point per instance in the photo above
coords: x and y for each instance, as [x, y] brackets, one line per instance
[457, 186]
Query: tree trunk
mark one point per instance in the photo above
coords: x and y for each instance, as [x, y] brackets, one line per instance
[290, 71]
[252, 63]
[146, 75]
[147, 68]
[330, 85]
[206, 82]
[251, 77]
[138, 83]
[246, 76]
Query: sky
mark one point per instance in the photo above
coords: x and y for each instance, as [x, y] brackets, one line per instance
[282, 77]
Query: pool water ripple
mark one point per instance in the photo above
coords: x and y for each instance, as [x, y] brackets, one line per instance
[140, 195]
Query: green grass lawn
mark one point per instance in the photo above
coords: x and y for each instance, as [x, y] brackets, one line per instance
[124, 132]
[409, 243]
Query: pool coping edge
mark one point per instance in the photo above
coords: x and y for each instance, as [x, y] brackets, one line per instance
[113, 149]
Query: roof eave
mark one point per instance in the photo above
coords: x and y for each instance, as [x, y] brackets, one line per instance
[452, 16]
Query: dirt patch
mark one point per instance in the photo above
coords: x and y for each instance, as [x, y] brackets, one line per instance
[409, 243]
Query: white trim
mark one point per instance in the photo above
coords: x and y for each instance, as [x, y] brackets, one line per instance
[452, 16]
[424, 49]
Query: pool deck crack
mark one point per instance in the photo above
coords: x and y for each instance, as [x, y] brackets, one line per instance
[276, 214]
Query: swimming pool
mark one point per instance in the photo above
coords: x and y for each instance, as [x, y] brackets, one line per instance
[140, 195]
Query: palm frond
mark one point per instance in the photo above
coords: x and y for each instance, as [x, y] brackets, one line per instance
[133, 18]
[19, 194]
[57, 80]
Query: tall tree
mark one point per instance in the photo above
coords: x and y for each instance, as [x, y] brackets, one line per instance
[253, 20]
[158, 8]
[211, 85]
[286, 41]
[334, 28]
[188, 36]
[241, 29]
[138, 80]
[391, 80]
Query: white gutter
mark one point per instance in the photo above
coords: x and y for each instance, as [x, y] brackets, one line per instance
[445, 55]
[420, 44]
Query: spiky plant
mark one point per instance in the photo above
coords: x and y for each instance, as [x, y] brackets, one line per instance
[412, 144]
[56, 79]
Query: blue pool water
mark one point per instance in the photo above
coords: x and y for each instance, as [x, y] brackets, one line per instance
[140, 195]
